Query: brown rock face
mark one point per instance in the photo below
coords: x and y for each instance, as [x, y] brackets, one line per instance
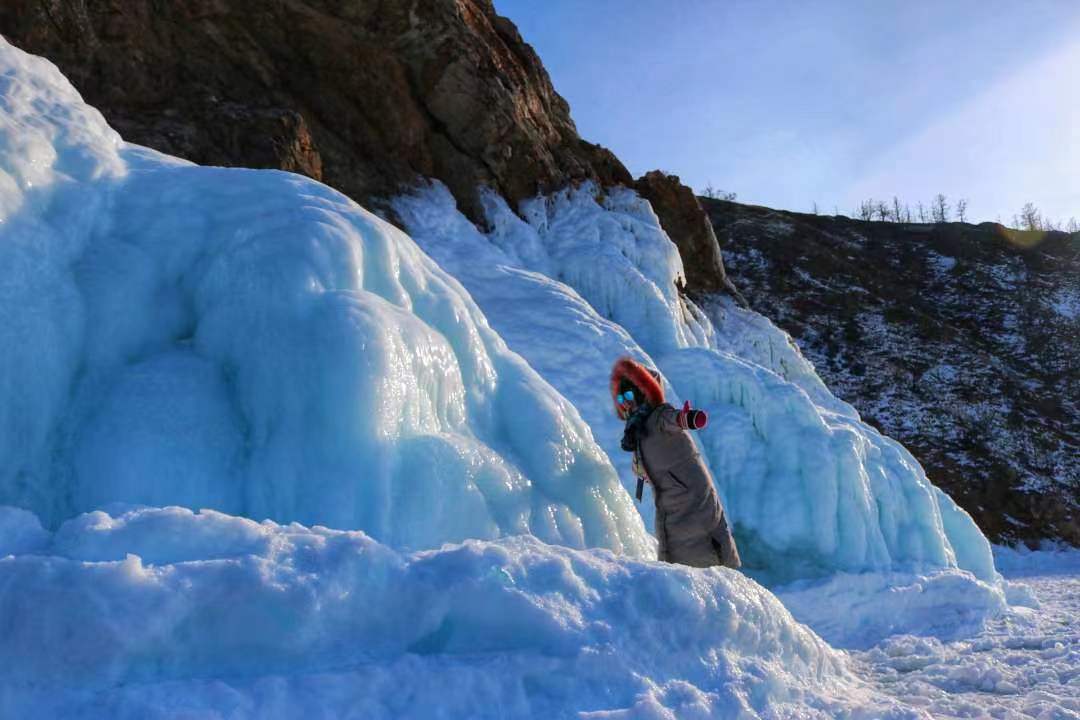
[365, 95]
[688, 225]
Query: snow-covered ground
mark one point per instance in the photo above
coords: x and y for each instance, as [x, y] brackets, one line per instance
[1024, 664]
[410, 462]
[159, 612]
[165, 613]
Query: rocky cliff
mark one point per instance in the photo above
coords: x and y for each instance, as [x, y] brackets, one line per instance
[685, 221]
[959, 340]
[365, 96]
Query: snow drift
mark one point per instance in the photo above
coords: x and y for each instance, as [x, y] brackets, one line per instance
[283, 612]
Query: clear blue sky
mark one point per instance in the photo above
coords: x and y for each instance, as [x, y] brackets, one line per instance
[788, 103]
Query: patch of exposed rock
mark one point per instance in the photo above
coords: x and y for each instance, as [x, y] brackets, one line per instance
[686, 223]
[961, 341]
[366, 96]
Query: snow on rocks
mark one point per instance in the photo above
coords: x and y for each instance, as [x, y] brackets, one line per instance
[128, 614]
[1066, 302]
[257, 343]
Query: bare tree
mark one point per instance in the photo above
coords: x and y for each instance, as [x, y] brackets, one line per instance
[714, 193]
[940, 209]
[922, 212]
[961, 209]
[897, 216]
[866, 210]
[1030, 217]
[1073, 226]
[882, 210]
[815, 208]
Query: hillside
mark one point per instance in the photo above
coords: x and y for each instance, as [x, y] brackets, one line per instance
[959, 340]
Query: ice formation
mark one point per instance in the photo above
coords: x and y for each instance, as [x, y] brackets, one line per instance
[256, 343]
[582, 277]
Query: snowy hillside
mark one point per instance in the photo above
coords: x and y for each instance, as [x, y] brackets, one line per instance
[261, 452]
[964, 349]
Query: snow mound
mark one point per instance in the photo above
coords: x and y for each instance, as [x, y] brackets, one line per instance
[126, 615]
[1050, 559]
[581, 278]
[857, 611]
[257, 343]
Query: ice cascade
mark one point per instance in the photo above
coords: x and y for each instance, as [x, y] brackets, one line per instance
[256, 343]
[582, 277]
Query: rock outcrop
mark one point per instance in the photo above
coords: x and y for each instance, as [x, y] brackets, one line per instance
[688, 225]
[958, 340]
[365, 96]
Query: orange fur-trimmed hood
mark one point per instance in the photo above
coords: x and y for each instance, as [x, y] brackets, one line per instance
[641, 377]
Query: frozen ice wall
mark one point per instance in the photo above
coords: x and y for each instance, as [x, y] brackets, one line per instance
[256, 343]
[581, 278]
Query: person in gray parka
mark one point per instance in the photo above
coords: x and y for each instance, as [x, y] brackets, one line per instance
[690, 523]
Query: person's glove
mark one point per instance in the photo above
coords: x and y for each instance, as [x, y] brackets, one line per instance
[690, 419]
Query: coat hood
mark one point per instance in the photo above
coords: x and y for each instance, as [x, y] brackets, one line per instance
[645, 380]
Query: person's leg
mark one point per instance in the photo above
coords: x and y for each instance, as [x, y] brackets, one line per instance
[724, 544]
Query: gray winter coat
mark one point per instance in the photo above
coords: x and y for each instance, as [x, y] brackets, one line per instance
[690, 522]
